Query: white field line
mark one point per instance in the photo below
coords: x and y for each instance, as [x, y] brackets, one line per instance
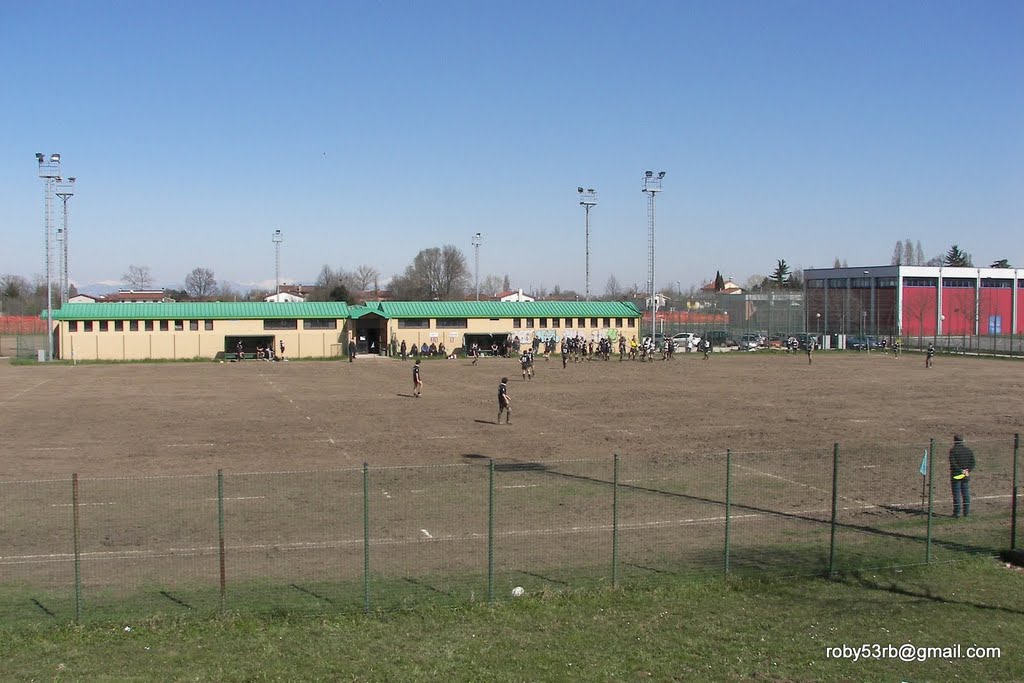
[25, 390]
[426, 533]
[190, 445]
[806, 486]
[67, 505]
[53, 448]
[323, 545]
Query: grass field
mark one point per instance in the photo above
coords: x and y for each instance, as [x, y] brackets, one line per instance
[749, 629]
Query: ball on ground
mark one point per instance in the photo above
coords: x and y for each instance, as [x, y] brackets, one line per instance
[518, 592]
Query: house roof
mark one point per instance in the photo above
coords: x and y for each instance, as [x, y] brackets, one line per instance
[509, 309]
[203, 310]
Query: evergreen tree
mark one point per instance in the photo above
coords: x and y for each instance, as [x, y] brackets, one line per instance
[719, 281]
[781, 274]
[957, 258]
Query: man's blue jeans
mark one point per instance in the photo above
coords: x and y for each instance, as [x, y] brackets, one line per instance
[961, 492]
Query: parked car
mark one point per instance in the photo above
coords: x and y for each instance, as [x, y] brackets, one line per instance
[863, 343]
[683, 340]
[750, 342]
[719, 338]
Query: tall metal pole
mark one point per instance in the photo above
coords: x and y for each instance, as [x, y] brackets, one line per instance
[278, 238]
[65, 190]
[49, 171]
[477, 239]
[652, 186]
[588, 198]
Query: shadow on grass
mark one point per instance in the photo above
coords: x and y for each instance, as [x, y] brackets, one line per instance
[860, 580]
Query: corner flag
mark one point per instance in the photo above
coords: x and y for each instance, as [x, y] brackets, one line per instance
[924, 464]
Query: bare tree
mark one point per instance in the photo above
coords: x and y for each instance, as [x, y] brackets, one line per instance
[138, 277]
[918, 254]
[365, 276]
[897, 255]
[435, 273]
[491, 285]
[612, 288]
[908, 253]
[200, 283]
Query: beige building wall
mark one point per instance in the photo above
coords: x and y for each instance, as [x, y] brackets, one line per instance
[525, 328]
[122, 345]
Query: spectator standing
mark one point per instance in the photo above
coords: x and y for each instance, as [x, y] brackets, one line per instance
[961, 464]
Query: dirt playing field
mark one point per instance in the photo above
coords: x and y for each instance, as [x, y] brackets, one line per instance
[147, 440]
[192, 418]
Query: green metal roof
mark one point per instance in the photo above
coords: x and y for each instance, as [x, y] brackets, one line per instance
[356, 312]
[203, 310]
[509, 309]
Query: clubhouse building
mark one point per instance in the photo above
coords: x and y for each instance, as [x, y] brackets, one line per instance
[190, 330]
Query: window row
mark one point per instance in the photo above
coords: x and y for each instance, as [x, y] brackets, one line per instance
[193, 325]
[517, 323]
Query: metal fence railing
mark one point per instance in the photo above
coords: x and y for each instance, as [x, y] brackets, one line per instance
[396, 537]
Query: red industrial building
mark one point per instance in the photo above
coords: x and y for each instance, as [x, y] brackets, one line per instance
[915, 302]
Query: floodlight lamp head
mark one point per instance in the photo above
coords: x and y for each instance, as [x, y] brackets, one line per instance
[661, 174]
[40, 157]
[72, 179]
[649, 174]
[580, 190]
[55, 158]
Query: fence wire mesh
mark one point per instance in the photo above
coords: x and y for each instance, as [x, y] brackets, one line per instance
[385, 538]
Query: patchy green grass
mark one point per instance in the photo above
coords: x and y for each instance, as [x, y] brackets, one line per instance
[742, 629]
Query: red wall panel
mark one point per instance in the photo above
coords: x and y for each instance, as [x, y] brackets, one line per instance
[919, 311]
[995, 303]
[958, 307]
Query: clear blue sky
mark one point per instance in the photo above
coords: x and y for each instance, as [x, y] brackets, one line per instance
[369, 131]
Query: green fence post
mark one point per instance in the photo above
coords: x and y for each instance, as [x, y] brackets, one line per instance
[78, 549]
[220, 533]
[931, 500]
[1016, 491]
[366, 538]
[490, 531]
[615, 522]
[835, 510]
[728, 504]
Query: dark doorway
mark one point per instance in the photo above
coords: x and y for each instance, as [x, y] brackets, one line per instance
[249, 344]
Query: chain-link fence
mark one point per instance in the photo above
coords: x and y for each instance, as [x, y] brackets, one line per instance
[398, 537]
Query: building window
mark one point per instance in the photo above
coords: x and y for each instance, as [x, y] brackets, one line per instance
[193, 325]
[581, 322]
[837, 283]
[632, 322]
[179, 325]
[555, 321]
[997, 284]
[103, 326]
[453, 323]
[568, 323]
[815, 284]
[149, 326]
[281, 324]
[618, 322]
[921, 282]
[886, 283]
[860, 283]
[133, 325]
[118, 326]
[958, 282]
[529, 323]
[607, 322]
[164, 326]
[319, 324]
[543, 323]
[414, 323]
[73, 326]
[87, 326]
[517, 323]
[208, 325]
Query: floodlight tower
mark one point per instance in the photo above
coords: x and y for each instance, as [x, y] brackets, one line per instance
[65, 190]
[652, 186]
[588, 198]
[278, 238]
[477, 241]
[49, 171]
